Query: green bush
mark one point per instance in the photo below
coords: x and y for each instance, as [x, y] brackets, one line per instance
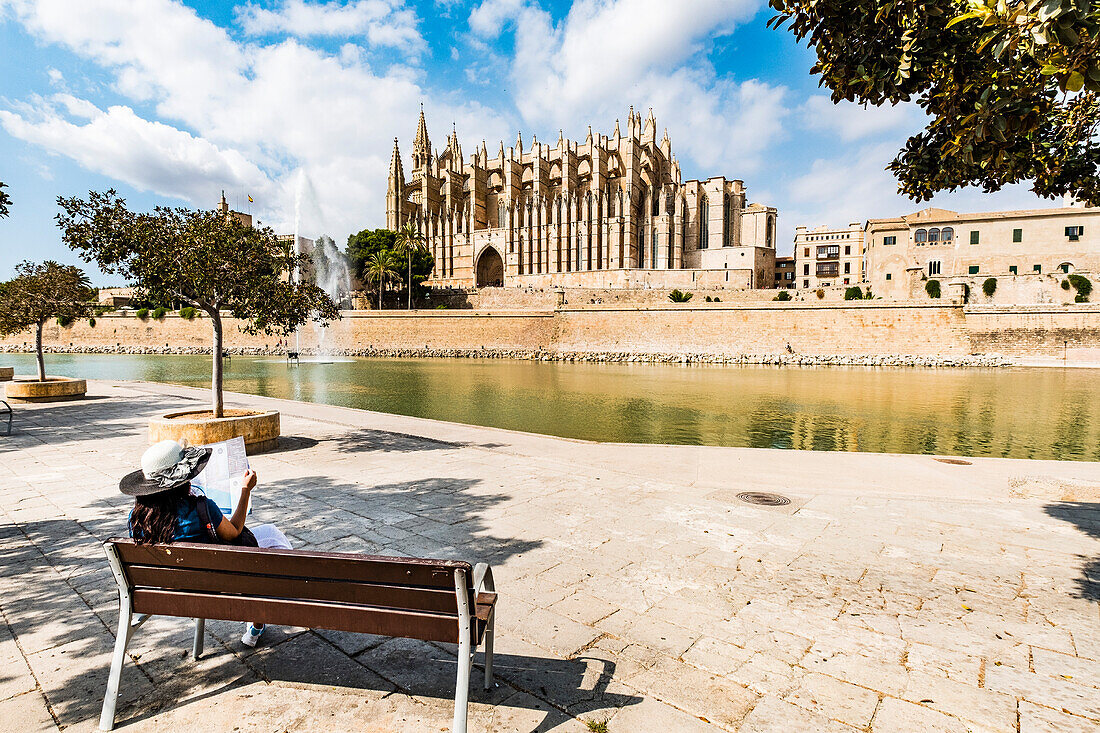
[1079, 298]
[160, 313]
[441, 307]
[932, 287]
[853, 293]
[1082, 285]
[707, 299]
[187, 312]
[717, 299]
[821, 292]
[989, 286]
[676, 296]
[782, 295]
[91, 323]
[1065, 285]
[142, 313]
[64, 321]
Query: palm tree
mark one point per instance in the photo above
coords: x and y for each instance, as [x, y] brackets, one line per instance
[380, 268]
[409, 240]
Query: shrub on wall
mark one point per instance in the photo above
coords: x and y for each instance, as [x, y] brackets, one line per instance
[783, 295]
[160, 313]
[187, 312]
[91, 323]
[932, 287]
[676, 296]
[853, 293]
[989, 286]
[64, 321]
[1065, 285]
[821, 292]
[1083, 286]
[142, 313]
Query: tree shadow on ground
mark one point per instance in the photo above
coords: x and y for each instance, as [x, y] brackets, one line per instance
[81, 420]
[1086, 517]
[367, 439]
[436, 517]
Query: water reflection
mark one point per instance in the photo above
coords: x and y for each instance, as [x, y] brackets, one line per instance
[1019, 413]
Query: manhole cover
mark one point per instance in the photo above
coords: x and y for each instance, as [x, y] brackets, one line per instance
[763, 499]
[954, 461]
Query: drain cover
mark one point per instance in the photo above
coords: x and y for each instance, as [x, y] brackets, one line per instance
[763, 499]
[954, 461]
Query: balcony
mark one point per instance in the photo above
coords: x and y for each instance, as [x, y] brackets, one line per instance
[828, 269]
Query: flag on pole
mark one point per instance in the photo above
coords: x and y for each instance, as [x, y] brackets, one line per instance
[250, 200]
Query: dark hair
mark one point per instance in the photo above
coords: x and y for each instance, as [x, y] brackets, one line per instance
[155, 516]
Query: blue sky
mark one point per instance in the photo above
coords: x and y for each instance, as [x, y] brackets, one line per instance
[297, 102]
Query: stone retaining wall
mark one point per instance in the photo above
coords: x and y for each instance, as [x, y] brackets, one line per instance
[861, 332]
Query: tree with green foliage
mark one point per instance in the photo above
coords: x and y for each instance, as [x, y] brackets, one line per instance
[782, 296]
[381, 268]
[40, 292]
[205, 259]
[5, 201]
[1012, 88]
[853, 293]
[989, 286]
[932, 287]
[1082, 285]
[409, 241]
[374, 241]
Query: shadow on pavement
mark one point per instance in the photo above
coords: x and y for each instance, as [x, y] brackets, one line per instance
[1086, 517]
[357, 441]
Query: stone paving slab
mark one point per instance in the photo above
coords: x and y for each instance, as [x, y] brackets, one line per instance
[894, 593]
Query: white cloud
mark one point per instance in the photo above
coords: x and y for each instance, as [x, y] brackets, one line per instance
[382, 22]
[146, 155]
[853, 122]
[608, 54]
[231, 114]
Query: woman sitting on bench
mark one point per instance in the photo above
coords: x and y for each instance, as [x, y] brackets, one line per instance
[165, 509]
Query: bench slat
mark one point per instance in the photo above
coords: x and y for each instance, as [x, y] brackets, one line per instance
[343, 591]
[308, 614]
[295, 563]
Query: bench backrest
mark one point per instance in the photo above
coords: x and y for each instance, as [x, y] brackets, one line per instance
[390, 596]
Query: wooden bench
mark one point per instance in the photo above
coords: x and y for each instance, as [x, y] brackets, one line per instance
[431, 600]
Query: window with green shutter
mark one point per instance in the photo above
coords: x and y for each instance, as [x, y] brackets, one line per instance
[974, 236]
[1017, 235]
[1037, 268]
[973, 269]
[888, 276]
[1012, 269]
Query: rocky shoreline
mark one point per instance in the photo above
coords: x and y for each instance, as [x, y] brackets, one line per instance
[972, 360]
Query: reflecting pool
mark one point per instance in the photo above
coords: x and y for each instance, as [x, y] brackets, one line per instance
[1010, 412]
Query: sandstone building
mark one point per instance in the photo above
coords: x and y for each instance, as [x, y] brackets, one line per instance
[904, 251]
[611, 211]
[825, 257]
[785, 273]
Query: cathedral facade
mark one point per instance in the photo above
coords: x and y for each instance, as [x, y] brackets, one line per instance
[611, 211]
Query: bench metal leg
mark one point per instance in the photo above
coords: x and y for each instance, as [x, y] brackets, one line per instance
[488, 643]
[200, 629]
[110, 699]
[465, 654]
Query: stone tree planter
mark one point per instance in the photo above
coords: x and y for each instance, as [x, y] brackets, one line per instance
[7, 374]
[54, 389]
[260, 430]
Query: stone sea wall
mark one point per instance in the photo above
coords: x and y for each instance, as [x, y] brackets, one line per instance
[859, 333]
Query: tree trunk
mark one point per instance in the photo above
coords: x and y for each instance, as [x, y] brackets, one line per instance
[379, 295]
[38, 351]
[410, 280]
[216, 371]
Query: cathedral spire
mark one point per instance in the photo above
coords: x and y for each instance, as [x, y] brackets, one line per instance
[396, 172]
[561, 139]
[617, 133]
[588, 140]
[519, 143]
[422, 146]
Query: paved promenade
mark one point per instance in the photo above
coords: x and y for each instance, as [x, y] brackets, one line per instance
[894, 593]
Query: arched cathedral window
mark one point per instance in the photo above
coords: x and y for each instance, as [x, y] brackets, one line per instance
[704, 222]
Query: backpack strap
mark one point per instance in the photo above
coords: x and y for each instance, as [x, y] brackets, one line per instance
[204, 517]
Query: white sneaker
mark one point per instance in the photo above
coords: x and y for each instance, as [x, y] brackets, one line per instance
[251, 635]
